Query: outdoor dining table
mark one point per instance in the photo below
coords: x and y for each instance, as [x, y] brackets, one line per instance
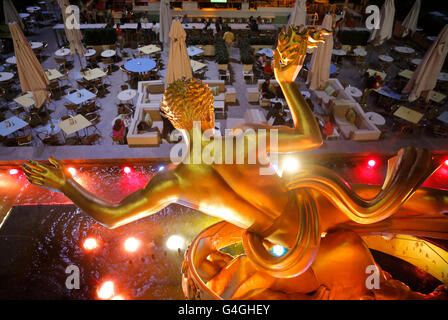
[388, 92]
[408, 114]
[416, 61]
[53, 74]
[127, 95]
[431, 38]
[108, 53]
[385, 58]
[11, 125]
[5, 76]
[436, 96]
[24, 15]
[62, 52]
[11, 60]
[338, 52]
[92, 74]
[140, 65]
[375, 118]
[149, 49]
[405, 50]
[196, 65]
[266, 51]
[90, 52]
[443, 76]
[443, 117]
[33, 9]
[406, 74]
[74, 124]
[80, 96]
[26, 100]
[353, 91]
[36, 44]
[360, 52]
[51, 128]
[194, 51]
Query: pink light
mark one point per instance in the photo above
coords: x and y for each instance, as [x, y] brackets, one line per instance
[127, 170]
[371, 163]
[13, 171]
[72, 171]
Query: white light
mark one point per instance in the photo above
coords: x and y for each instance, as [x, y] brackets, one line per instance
[290, 165]
[278, 250]
[161, 168]
[72, 171]
[131, 244]
[175, 242]
[106, 291]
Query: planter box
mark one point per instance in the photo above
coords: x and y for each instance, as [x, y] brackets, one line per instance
[147, 139]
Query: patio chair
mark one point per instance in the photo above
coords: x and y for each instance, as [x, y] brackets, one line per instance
[24, 140]
[118, 140]
[55, 89]
[51, 140]
[61, 62]
[91, 139]
[71, 108]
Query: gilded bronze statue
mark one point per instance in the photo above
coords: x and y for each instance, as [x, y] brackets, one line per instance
[313, 213]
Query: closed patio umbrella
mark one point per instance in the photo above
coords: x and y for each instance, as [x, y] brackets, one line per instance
[298, 14]
[424, 79]
[165, 22]
[387, 14]
[73, 33]
[178, 62]
[410, 22]
[319, 70]
[32, 76]
[11, 14]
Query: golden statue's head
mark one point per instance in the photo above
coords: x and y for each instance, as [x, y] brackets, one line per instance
[186, 101]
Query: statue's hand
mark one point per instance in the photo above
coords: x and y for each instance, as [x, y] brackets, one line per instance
[50, 177]
[291, 50]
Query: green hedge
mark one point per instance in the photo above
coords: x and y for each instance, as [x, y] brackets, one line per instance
[194, 40]
[354, 38]
[246, 51]
[102, 36]
[221, 52]
[265, 40]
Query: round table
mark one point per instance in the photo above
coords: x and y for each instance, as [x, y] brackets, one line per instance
[375, 118]
[353, 91]
[11, 60]
[266, 51]
[62, 52]
[360, 52]
[32, 9]
[127, 95]
[406, 50]
[90, 52]
[431, 38]
[24, 15]
[416, 61]
[140, 65]
[385, 58]
[443, 76]
[36, 45]
[108, 53]
[5, 76]
[339, 52]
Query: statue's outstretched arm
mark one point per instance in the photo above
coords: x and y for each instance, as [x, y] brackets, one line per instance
[160, 191]
[288, 59]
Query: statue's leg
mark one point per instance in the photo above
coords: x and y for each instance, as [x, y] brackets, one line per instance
[341, 265]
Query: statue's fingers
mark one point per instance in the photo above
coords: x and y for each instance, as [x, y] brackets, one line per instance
[55, 162]
[34, 177]
[29, 170]
[35, 182]
[35, 165]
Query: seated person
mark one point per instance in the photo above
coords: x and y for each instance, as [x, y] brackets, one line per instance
[328, 128]
[278, 91]
[266, 90]
[143, 127]
[119, 130]
[275, 111]
[268, 69]
[262, 59]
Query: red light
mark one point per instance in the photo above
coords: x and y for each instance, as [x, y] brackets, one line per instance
[90, 244]
[131, 244]
[371, 163]
[72, 171]
[127, 170]
[13, 171]
[106, 291]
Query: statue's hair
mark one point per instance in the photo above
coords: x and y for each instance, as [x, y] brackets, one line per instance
[185, 101]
